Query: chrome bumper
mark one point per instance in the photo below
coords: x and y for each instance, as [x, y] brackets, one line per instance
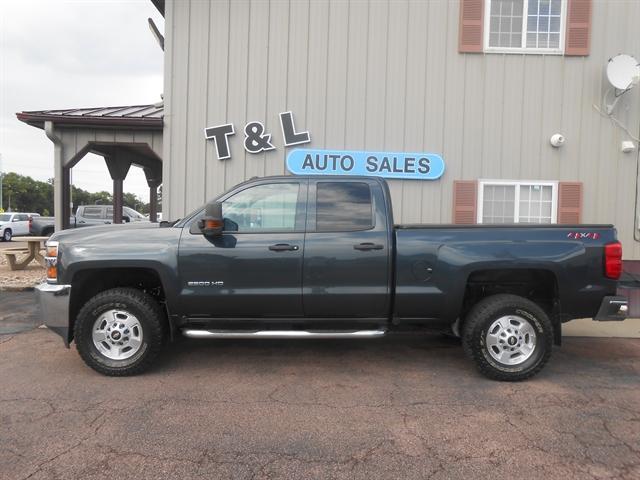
[612, 309]
[54, 308]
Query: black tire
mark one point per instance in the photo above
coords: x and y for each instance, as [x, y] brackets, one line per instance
[147, 312]
[480, 319]
[7, 235]
[47, 232]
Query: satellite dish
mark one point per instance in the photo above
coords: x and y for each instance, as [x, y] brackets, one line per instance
[623, 72]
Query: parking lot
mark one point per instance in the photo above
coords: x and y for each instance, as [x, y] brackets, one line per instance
[397, 407]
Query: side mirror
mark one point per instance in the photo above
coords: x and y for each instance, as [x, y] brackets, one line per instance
[212, 224]
[126, 219]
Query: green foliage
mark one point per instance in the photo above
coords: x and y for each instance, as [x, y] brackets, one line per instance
[24, 194]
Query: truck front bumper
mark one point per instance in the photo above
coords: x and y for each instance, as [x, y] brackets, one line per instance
[54, 308]
[612, 309]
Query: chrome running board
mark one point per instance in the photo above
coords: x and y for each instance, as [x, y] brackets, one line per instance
[191, 333]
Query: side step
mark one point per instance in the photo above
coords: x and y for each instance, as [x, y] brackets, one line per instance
[191, 333]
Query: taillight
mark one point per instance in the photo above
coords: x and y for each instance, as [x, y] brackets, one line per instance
[613, 260]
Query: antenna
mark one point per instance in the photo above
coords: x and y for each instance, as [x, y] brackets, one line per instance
[623, 73]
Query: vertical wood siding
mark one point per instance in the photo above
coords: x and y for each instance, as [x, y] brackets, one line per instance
[387, 74]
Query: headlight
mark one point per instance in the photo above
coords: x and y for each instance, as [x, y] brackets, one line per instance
[51, 259]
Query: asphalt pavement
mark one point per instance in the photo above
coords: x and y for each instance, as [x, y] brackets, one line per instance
[393, 408]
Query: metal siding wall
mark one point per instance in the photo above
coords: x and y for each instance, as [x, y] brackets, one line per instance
[385, 74]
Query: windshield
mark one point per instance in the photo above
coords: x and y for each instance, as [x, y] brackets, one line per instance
[5, 217]
[132, 213]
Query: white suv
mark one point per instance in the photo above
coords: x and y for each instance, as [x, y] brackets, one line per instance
[13, 223]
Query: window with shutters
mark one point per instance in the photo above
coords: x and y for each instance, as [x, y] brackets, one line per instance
[517, 202]
[525, 26]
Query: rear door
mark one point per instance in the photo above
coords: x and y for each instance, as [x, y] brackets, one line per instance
[90, 215]
[346, 269]
[20, 224]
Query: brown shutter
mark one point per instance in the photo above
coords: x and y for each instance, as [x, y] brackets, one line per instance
[465, 195]
[570, 202]
[578, 27]
[471, 23]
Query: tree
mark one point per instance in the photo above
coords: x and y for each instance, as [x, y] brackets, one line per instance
[24, 194]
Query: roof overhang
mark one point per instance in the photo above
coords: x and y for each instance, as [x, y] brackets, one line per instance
[159, 4]
[137, 116]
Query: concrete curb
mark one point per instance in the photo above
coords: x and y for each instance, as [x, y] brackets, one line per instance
[9, 288]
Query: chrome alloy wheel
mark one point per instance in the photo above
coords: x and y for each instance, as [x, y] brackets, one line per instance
[511, 340]
[117, 334]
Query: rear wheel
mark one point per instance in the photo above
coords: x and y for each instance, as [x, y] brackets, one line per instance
[120, 331]
[509, 337]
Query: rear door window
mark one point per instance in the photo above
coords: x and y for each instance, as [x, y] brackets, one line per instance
[343, 207]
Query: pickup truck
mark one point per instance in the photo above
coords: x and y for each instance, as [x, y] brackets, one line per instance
[86, 216]
[320, 257]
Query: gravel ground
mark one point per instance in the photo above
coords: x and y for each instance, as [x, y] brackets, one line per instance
[19, 279]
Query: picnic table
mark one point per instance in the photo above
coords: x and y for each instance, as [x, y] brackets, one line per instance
[32, 252]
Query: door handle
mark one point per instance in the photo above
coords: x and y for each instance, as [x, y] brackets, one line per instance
[282, 247]
[368, 246]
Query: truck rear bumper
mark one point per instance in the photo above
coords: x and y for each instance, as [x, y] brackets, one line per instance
[54, 308]
[612, 309]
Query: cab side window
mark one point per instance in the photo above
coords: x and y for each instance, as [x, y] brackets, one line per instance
[343, 207]
[263, 208]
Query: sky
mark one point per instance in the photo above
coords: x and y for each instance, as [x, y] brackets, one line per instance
[57, 54]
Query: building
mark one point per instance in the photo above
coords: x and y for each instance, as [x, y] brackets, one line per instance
[485, 84]
[482, 85]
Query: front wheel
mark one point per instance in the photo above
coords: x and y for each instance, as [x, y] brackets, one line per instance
[509, 337]
[7, 235]
[119, 331]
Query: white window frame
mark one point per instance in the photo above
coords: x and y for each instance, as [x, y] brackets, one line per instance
[518, 184]
[525, 49]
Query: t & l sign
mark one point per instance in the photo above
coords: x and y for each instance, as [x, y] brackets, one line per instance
[255, 138]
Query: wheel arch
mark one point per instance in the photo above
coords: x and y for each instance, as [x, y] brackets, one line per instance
[87, 283]
[539, 285]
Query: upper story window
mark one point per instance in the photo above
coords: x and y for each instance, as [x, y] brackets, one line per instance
[524, 26]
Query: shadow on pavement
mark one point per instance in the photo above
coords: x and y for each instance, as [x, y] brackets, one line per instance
[18, 312]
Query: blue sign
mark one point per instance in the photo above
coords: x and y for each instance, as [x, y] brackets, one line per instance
[416, 166]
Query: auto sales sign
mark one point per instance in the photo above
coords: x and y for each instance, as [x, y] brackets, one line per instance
[399, 165]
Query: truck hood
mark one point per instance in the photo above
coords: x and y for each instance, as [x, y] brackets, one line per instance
[106, 233]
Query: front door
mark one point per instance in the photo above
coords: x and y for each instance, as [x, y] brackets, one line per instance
[254, 269]
[347, 248]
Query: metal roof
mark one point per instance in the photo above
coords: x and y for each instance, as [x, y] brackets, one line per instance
[148, 116]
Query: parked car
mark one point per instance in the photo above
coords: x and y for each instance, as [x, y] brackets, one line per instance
[86, 216]
[320, 257]
[14, 224]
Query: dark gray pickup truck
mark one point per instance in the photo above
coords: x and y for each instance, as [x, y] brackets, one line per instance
[320, 257]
